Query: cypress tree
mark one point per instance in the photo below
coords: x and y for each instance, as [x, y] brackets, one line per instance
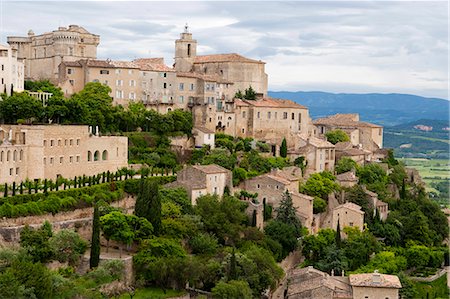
[95, 240]
[403, 191]
[254, 218]
[36, 187]
[14, 189]
[283, 148]
[6, 190]
[338, 235]
[21, 188]
[148, 203]
[45, 186]
[29, 187]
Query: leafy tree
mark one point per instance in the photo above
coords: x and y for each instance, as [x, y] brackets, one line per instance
[314, 245]
[333, 259]
[371, 173]
[36, 242]
[320, 184]
[115, 227]
[238, 95]
[319, 205]
[232, 289]
[345, 164]
[95, 239]
[336, 136]
[203, 243]
[284, 234]
[67, 246]
[20, 106]
[358, 247]
[387, 262]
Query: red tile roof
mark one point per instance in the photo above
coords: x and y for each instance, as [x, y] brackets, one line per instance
[275, 103]
[153, 64]
[375, 280]
[232, 57]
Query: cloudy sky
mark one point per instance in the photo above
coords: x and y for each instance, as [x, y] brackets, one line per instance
[335, 46]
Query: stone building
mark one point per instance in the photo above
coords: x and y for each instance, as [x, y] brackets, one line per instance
[199, 180]
[42, 54]
[369, 136]
[375, 285]
[347, 179]
[271, 187]
[310, 283]
[356, 153]
[203, 136]
[377, 204]
[242, 71]
[51, 151]
[11, 71]
[348, 214]
[319, 154]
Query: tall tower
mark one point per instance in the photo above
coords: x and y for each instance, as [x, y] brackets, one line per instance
[185, 51]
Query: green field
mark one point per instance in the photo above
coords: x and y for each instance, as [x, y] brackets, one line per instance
[431, 170]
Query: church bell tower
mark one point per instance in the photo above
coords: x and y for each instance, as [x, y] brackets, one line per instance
[185, 51]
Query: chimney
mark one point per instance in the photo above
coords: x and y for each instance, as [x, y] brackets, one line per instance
[376, 277]
[96, 130]
[332, 272]
[259, 96]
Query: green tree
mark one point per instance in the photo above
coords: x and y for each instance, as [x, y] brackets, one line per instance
[67, 246]
[95, 239]
[286, 213]
[283, 148]
[148, 203]
[21, 106]
[336, 136]
[345, 164]
[320, 184]
[203, 243]
[250, 94]
[36, 242]
[115, 227]
[232, 289]
[284, 234]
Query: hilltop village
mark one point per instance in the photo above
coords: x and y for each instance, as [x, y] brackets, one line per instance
[196, 158]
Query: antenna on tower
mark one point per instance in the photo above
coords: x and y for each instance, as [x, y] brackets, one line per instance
[186, 28]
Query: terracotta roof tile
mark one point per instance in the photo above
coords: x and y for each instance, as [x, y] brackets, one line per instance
[344, 120]
[275, 103]
[72, 63]
[351, 206]
[232, 57]
[153, 64]
[375, 280]
[212, 168]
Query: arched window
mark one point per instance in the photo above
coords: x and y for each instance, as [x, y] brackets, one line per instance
[96, 155]
[1, 156]
[89, 156]
[189, 50]
[21, 155]
[8, 156]
[169, 109]
[105, 155]
[15, 156]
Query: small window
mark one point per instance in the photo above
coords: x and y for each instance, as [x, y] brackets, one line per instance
[104, 72]
[164, 85]
[11, 171]
[45, 142]
[243, 114]
[71, 142]
[268, 115]
[258, 114]
[78, 141]
[61, 160]
[52, 142]
[71, 82]
[285, 114]
[69, 71]
[350, 224]
[191, 87]
[293, 116]
[71, 159]
[51, 161]
[59, 142]
[65, 142]
[181, 86]
[78, 159]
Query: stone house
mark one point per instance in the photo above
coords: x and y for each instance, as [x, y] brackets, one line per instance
[271, 187]
[377, 204]
[347, 179]
[199, 180]
[356, 153]
[319, 153]
[203, 136]
[348, 214]
[375, 286]
[311, 283]
[12, 70]
[51, 151]
[42, 54]
[370, 136]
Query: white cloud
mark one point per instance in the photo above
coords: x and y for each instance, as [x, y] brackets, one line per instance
[331, 46]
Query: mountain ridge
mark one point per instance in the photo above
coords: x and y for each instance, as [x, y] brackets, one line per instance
[388, 109]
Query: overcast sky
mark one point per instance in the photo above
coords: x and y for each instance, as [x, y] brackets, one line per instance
[335, 46]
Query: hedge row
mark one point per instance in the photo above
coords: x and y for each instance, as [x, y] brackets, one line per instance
[67, 200]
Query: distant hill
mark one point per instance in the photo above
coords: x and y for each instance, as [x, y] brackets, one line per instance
[384, 109]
